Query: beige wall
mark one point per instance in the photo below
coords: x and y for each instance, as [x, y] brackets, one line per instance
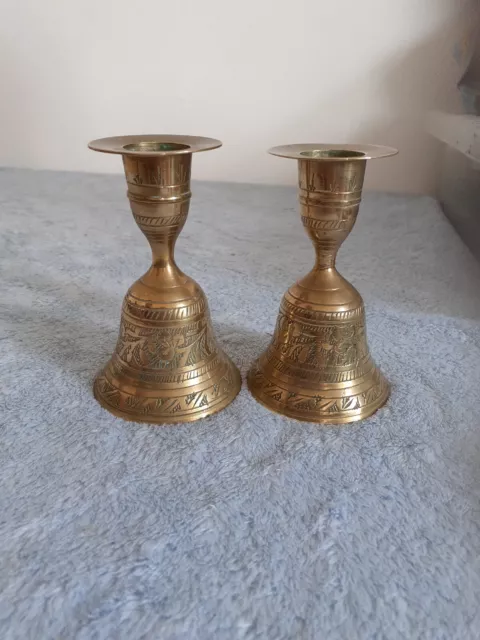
[254, 73]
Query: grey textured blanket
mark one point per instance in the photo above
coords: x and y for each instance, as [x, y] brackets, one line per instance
[246, 525]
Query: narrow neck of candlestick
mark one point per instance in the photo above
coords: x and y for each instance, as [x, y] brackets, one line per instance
[159, 194]
[330, 193]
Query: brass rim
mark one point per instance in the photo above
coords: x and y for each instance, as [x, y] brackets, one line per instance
[323, 152]
[168, 422]
[325, 422]
[154, 145]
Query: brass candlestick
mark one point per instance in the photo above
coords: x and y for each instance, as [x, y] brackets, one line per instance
[167, 366]
[318, 367]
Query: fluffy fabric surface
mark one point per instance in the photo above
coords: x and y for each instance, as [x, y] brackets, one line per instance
[246, 525]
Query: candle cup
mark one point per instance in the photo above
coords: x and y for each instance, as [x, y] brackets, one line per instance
[167, 366]
[318, 367]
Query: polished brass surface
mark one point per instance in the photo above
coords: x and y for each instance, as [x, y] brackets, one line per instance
[167, 366]
[318, 367]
